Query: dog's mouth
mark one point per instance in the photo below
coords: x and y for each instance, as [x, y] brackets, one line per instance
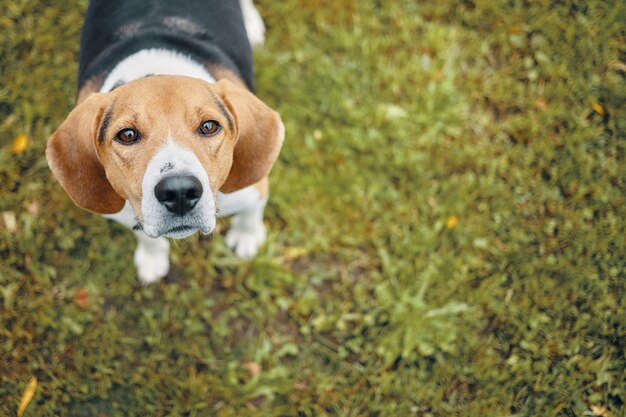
[183, 231]
[180, 232]
[176, 232]
[178, 229]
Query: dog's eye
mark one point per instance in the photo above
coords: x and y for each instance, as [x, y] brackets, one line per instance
[210, 127]
[127, 136]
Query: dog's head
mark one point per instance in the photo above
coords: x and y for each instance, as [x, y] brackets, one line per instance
[166, 144]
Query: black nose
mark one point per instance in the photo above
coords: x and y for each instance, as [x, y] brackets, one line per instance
[178, 193]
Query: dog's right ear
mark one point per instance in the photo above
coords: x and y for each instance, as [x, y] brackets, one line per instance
[72, 157]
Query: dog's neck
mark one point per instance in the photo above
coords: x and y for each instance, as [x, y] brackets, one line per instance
[154, 62]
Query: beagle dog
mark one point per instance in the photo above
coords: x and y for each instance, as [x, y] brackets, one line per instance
[166, 133]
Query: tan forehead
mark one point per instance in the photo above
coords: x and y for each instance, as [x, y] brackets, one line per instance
[169, 92]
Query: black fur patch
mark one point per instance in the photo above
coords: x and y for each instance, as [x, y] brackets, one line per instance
[222, 108]
[208, 31]
[106, 120]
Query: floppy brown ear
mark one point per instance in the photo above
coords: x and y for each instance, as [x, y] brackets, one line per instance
[260, 137]
[72, 157]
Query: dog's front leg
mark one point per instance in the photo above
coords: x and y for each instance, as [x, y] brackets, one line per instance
[152, 256]
[247, 232]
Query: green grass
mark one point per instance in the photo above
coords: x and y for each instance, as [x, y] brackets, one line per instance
[368, 299]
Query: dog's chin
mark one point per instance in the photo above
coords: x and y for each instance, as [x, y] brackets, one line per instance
[182, 232]
[177, 232]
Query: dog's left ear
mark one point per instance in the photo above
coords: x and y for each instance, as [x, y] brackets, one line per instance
[260, 136]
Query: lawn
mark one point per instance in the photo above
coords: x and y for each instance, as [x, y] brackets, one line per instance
[447, 232]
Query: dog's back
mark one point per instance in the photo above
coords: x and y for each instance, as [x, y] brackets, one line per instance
[208, 31]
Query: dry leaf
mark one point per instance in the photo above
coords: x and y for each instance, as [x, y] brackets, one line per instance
[541, 104]
[8, 121]
[601, 410]
[452, 222]
[33, 208]
[20, 143]
[257, 401]
[10, 222]
[618, 66]
[252, 367]
[301, 385]
[81, 298]
[27, 396]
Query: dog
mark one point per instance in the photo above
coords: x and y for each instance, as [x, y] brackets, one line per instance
[167, 132]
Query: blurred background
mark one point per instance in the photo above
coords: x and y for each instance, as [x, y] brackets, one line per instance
[446, 227]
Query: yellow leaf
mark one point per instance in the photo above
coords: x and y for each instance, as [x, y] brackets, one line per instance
[20, 143]
[27, 395]
[598, 108]
[452, 222]
[541, 103]
[293, 252]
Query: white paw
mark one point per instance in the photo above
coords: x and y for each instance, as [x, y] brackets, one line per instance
[255, 28]
[152, 259]
[246, 240]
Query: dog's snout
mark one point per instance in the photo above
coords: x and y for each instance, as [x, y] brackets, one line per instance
[179, 194]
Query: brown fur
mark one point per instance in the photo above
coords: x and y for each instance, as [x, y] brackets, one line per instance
[263, 188]
[89, 87]
[72, 158]
[220, 72]
[98, 176]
